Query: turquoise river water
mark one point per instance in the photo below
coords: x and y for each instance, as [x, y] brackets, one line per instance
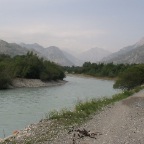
[22, 106]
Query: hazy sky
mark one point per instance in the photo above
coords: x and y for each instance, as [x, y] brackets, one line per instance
[73, 24]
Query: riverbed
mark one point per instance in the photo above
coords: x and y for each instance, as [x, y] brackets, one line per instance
[21, 106]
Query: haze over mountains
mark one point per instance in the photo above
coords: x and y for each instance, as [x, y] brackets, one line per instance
[65, 58]
[93, 55]
[129, 54]
[53, 53]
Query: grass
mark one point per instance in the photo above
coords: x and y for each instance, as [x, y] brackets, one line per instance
[83, 110]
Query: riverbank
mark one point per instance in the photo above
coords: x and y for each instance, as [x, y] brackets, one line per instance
[21, 82]
[121, 123]
[98, 118]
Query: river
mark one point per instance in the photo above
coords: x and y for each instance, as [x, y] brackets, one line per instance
[22, 106]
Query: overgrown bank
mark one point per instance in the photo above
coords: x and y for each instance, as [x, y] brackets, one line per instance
[83, 110]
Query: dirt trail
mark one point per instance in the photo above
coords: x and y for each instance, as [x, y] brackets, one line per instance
[122, 123]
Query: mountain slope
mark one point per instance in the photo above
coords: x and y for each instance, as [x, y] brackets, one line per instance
[55, 54]
[93, 55]
[51, 53]
[133, 56]
[129, 54]
[73, 59]
[34, 46]
[12, 49]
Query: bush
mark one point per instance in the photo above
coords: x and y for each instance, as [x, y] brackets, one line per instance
[5, 79]
[5, 82]
[130, 78]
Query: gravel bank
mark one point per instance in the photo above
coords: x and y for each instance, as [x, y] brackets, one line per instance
[121, 123]
[21, 82]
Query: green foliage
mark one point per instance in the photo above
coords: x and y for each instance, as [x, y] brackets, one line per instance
[131, 77]
[5, 81]
[5, 74]
[27, 66]
[51, 71]
[98, 70]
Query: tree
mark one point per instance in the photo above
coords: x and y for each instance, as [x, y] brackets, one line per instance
[5, 76]
[130, 78]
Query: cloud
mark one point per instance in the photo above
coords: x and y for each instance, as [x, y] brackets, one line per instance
[72, 23]
[52, 30]
[47, 35]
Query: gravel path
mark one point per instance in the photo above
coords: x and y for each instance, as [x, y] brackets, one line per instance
[121, 123]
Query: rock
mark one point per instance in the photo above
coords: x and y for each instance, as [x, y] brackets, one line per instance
[1, 140]
[16, 132]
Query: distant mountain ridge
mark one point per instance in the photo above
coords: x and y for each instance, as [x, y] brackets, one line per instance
[73, 58]
[12, 49]
[34, 46]
[56, 55]
[51, 53]
[130, 54]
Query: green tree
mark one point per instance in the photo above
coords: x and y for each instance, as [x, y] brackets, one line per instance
[5, 76]
[130, 78]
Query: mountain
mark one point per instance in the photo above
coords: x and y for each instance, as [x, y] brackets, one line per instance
[93, 55]
[140, 43]
[129, 54]
[132, 56]
[34, 46]
[51, 53]
[55, 54]
[73, 59]
[12, 49]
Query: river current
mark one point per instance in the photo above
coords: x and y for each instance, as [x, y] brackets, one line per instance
[22, 106]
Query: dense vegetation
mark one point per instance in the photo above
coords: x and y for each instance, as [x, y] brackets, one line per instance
[27, 66]
[128, 76]
[98, 70]
[131, 77]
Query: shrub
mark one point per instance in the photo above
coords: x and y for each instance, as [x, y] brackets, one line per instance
[130, 78]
